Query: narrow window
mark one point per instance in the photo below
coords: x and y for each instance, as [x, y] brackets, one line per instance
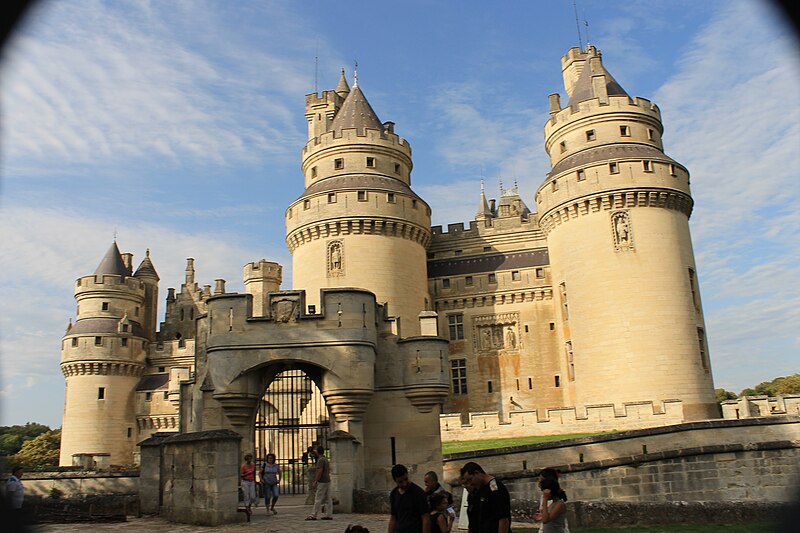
[554, 185]
[647, 165]
[552, 326]
[331, 197]
[489, 386]
[515, 275]
[701, 341]
[672, 170]
[458, 375]
[625, 131]
[136, 311]
[183, 311]
[105, 306]
[397, 168]
[526, 328]
[306, 205]
[313, 172]
[445, 283]
[590, 136]
[487, 248]
[98, 341]
[492, 278]
[570, 361]
[390, 197]
[362, 196]
[581, 175]
[562, 287]
[563, 146]
[101, 393]
[162, 369]
[124, 328]
[530, 383]
[539, 273]
[74, 342]
[517, 383]
[468, 281]
[124, 341]
[191, 313]
[456, 323]
[414, 203]
[144, 345]
[613, 168]
[148, 396]
[371, 162]
[166, 395]
[558, 381]
[693, 288]
[338, 164]
[130, 432]
[458, 252]
[651, 134]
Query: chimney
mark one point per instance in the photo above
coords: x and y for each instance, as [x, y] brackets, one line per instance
[220, 288]
[555, 103]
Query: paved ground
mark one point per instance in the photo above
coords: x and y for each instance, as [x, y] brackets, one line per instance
[290, 519]
[292, 512]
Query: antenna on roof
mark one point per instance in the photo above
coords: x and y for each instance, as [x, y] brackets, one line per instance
[577, 24]
[355, 75]
[316, 66]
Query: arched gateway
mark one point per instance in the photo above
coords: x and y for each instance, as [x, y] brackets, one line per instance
[383, 393]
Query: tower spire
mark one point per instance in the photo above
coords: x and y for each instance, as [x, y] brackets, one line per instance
[355, 75]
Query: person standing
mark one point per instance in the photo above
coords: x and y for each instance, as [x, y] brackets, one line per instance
[248, 475]
[441, 522]
[432, 487]
[488, 504]
[15, 493]
[553, 516]
[322, 484]
[270, 478]
[410, 512]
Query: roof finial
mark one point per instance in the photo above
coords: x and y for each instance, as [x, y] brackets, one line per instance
[516, 186]
[500, 179]
[577, 25]
[115, 235]
[586, 23]
[147, 253]
[481, 183]
[355, 75]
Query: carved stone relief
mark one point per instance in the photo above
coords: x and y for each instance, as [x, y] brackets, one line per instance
[335, 258]
[622, 231]
[286, 309]
[496, 332]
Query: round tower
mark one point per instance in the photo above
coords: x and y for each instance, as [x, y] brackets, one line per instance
[358, 223]
[102, 358]
[616, 210]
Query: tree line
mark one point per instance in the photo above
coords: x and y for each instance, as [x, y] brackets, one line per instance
[777, 387]
[32, 445]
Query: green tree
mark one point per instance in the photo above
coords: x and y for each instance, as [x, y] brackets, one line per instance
[40, 451]
[13, 437]
[723, 395]
[778, 386]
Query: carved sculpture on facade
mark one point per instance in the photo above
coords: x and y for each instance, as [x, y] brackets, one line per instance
[335, 258]
[621, 230]
[285, 309]
[496, 332]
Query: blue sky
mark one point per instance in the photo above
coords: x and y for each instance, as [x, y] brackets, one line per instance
[179, 125]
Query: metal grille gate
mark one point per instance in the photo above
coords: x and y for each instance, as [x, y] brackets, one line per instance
[292, 417]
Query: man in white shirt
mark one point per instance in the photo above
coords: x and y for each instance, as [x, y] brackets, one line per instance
[15, 493]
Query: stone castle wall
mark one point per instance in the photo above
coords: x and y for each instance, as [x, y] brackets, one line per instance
[561, 421]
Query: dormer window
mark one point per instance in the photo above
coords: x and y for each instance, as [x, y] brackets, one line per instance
[590, 135]
[338, 164]
[370, 162]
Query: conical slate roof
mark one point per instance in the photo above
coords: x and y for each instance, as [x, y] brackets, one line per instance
[112, 264]
[356, 113]
[343, 88]
[483, 206]
[584, 89]
[146, 268]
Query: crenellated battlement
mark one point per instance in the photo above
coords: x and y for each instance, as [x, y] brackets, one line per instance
[351, 135]
[263, 269]
[326, 98]
[87, 284]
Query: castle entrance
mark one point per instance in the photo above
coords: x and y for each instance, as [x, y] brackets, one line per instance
[292, 418]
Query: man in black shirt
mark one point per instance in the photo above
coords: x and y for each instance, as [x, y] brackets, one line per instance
[409, 505]
[488, 504]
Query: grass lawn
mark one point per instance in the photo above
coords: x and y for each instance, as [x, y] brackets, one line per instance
[473, 445]
[716, 528]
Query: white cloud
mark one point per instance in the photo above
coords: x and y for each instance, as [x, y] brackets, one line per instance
[730, 117]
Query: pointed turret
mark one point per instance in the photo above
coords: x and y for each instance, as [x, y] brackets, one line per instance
[356, 113]
[146, 268]
[112, 263]
[594, 81]
[343, 89]
[484, 211]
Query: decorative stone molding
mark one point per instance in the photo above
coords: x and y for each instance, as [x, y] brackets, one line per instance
[102, 368]
[358, 226]
[463, 302]
[335, 258]
[606, 201]
[348, 406]
[495, 332]
[162, 422]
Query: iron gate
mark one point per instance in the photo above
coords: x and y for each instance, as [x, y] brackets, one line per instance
[292, 417]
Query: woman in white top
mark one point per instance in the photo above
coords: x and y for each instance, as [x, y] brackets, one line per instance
[552, 510]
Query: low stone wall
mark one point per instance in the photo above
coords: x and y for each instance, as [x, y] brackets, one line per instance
[562, 420]
[79, 483]
[758, 406]
[753, 460]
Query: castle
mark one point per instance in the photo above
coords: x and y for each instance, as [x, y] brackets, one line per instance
[590, 299]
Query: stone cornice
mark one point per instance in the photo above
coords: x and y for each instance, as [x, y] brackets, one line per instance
[102, 368]
[359, 226]
[505, 298]
[619, 199]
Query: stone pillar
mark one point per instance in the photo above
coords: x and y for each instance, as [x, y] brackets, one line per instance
[345, 468]
[150, 474]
